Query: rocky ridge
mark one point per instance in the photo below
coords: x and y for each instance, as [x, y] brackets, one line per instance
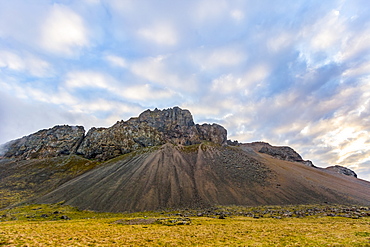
[282, 153]
[151, 128]
[47, 143]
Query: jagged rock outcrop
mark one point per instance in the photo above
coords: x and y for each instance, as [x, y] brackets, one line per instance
[151, 128]
[342, 170]
[59, 140]
[282, 153]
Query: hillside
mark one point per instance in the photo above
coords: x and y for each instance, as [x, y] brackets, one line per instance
[205, 175]
[163, 160]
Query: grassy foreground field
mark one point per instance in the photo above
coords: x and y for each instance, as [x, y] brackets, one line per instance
[56, 225]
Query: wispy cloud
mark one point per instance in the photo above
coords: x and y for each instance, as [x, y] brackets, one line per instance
[25, 62]
[116, 61]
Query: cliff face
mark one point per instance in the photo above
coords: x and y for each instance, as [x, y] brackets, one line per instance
[151, 128]
[59, 140]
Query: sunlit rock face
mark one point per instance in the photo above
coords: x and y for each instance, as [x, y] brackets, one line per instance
[59, 140]
[342, 170]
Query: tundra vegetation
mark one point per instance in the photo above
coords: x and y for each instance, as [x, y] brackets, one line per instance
[303, 225]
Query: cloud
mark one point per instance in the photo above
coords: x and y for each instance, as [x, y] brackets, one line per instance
[158, 70]
[327, 31]
[281, 41]
[360, 70]
[217, 57]
[356, 45]
[146, 92]
[116, 61]
[63, 31]
[161, 34]
[89, 79]
[23, 117]
[28, 63]
[244, 85]
[206, 10]
[92, 1]
[237, 14]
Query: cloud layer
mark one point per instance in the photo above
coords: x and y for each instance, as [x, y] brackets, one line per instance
[292, 74]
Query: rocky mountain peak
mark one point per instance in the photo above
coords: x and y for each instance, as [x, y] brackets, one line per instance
[150, 128]
[168, 117]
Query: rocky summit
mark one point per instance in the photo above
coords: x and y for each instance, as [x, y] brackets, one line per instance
[161, 160]
[151, 128]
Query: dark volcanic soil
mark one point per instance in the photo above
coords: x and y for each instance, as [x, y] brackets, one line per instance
[203, 175]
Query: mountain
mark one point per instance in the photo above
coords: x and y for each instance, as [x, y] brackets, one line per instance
[151, 128]
[162, 160]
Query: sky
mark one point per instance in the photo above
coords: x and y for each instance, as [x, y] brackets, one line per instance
[288, 72]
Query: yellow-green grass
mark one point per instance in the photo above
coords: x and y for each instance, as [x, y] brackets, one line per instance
[88, 228]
